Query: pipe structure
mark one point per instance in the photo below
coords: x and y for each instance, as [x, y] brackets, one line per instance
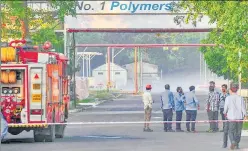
[144, 45]
[109, 46]
[112, 67]
[138, 30]
[108, 84]
[141, 70]
[74, 69]
[135, 70]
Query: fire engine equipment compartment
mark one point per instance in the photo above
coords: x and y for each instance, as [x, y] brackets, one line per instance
[35, 90]
[12, 99]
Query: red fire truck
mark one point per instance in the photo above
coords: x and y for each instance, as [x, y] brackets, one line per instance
[35, 87]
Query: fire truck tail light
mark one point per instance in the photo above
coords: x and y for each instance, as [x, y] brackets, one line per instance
[36, 112]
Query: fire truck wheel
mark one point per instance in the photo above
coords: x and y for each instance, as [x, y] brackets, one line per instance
[60, 131]
[39, 138]
[14, 131]
[51, 130]
[51, 136]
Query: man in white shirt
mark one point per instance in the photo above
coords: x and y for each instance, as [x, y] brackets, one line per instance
[147, 100]
[234, 109]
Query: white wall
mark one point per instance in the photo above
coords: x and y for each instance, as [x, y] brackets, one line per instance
[118, 75]
[82, 87]
[147, 68]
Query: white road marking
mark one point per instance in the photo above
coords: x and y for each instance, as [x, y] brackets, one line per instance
[199, 111]
[105, 137]
[82, 127]
[117, 106]
[157, 117]
[124, 113]
[125, 125]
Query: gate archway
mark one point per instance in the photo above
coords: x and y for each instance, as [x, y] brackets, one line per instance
[89, 22]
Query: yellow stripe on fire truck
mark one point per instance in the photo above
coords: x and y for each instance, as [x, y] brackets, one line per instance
[28, 125]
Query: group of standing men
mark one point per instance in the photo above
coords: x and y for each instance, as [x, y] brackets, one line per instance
[169, 103]
[232, 108]
[230, 105]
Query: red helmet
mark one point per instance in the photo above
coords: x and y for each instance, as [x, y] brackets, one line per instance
[148, 86]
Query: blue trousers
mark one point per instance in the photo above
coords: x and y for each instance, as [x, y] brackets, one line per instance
[179, 115]
[168, 114]
[191, 116]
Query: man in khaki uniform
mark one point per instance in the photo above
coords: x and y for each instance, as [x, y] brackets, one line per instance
[147, 100]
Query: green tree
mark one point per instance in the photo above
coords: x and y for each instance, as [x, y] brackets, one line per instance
[38, 24]
[231, 36]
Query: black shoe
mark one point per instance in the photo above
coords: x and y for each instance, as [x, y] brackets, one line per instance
[165, 130]
[144, 129]
[237, 146]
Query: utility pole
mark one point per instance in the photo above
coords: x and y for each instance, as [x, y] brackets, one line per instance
[74, 69]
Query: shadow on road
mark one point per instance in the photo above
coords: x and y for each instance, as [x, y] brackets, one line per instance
[74, 139]
[97, 138]
[18, 140]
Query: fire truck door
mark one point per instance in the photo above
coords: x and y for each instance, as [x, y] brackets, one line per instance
[37, 87]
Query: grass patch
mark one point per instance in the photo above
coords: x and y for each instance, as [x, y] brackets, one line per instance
[87, 100]
[102, 95]
[245, 126]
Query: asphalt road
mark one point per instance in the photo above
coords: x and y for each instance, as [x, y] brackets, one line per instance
[123, 137]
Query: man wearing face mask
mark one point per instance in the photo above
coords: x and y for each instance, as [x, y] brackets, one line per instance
[223, 96]
[212, 107]
[179, 101]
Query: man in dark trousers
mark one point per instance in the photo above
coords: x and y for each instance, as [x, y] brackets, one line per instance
[191, 106]
[212, 107]
[223, 96]
[168, 106]
[235, 109]
[225, 134]
[179, 101]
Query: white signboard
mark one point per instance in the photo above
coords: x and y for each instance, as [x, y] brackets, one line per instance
[128, 14]
[127, 7]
